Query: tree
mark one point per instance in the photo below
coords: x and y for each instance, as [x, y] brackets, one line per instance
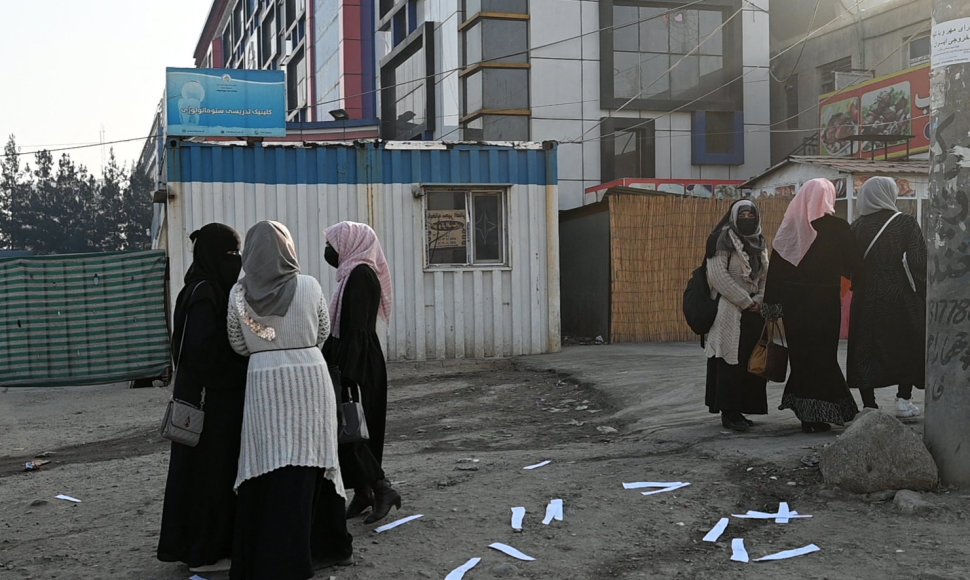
[11, 182]
[138, 210]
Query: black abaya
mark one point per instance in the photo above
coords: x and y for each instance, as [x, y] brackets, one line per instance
[360, 359]
[199, 507]
[809, 294]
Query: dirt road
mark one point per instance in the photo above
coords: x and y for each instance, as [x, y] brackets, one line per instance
[459, 435]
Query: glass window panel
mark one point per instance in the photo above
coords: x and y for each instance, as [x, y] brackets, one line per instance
[685, 76]
[625, 28]
[720, 132]
[473, 92]
[654, 80]
[447, 227]
[410, 98]
[653, 30]
[472, 7]
[506, 6]
[626, 155]
[683, 31]
[506, 89]
[488, 227]
[710, 64]
[505, 40]
[709, 20]
[473, 44]
[626, 74]
[473, 129]
[505, 128]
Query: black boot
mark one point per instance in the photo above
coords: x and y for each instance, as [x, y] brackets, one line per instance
[384, 498]
[363, 499]
[734, 421]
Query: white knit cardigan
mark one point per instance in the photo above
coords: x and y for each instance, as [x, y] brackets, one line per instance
[738, 292]
[290, 414]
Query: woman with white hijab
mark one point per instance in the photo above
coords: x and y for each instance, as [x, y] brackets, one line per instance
[813, 250]
[290, 515]
[887, 332]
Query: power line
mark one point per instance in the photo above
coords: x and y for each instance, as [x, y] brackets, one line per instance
[85, 146]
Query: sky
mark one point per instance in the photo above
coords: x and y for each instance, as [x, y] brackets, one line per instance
[78, 72]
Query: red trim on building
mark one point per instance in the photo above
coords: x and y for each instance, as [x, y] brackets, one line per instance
[353, 80]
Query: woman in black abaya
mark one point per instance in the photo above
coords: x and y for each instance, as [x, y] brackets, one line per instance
[200, 505]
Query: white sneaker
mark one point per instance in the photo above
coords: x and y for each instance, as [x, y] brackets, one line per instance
[219, 566]
[906, 408]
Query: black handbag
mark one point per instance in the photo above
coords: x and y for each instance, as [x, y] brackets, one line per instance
[353, 424]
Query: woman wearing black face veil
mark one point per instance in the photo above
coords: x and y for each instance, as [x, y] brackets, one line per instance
[200, 505]
[737, 266]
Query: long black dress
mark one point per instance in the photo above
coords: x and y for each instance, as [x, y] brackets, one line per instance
[358, 355]
[809, 294]
[199, 509]
[887, 331]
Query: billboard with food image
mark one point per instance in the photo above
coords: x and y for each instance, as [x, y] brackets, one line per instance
[896, 104]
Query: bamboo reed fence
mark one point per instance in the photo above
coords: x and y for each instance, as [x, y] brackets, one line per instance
[656, 242]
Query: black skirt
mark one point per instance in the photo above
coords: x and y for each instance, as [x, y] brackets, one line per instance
[731, 387]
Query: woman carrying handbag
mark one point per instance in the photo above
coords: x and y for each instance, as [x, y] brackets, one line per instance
[737, 262]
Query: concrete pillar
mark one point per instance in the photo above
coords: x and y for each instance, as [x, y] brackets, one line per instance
[947, 229]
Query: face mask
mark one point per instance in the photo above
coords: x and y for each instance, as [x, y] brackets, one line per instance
[229, 269]
[331, 256]
[747, 226]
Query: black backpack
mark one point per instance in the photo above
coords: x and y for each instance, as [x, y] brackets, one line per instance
[699, 308]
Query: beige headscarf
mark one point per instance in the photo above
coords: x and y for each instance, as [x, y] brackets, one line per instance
[270, 266]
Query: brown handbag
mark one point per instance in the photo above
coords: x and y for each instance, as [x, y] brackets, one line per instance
[769, 359]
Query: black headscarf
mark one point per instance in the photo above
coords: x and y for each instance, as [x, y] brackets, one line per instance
[752, 241]
[215, 260]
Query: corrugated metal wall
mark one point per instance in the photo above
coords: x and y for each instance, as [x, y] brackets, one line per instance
[438, 313]
[82, 319]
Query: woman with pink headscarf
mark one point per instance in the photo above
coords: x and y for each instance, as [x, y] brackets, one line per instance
[363, 293]
[813, 250]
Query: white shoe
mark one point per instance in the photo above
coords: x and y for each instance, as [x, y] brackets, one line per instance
[906, 408]
[219, 566]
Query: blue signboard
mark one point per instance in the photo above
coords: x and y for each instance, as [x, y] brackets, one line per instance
[225, 102]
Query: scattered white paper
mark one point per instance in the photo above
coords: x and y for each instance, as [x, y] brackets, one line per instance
[738, 553]
[510, 551]
[538, 465]
[663, 485]
[790, 553]
[397, 523]
[68, 498]
[553, 511]
[782, 516]
[517, 514]
[671, 487]
[717, 530]
[459, 572]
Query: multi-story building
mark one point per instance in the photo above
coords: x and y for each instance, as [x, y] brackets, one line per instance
[848, 44]
[630, 88]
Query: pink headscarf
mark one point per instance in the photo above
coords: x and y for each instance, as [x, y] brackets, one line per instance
[357, 244]
[796, 234]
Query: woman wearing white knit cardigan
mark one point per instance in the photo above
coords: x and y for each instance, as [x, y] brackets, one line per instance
[291, 499]
[737, 266]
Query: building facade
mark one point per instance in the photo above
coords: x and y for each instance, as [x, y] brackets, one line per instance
[847, 44]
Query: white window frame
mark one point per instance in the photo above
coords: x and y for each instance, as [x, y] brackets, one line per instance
[470, 191]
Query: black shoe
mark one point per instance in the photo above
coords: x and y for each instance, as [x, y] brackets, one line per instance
[734, 423]
[815, 427]
[384, 498]
[331, 561]
[746, 420]
[363, 500]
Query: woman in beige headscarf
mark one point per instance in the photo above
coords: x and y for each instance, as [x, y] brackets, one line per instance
[291, 497]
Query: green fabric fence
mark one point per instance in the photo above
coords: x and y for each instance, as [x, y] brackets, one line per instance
[83, 319]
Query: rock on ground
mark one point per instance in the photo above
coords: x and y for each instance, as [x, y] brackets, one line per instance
[876, 453]
[910, 502]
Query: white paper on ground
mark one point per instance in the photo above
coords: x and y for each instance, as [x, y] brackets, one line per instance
[68, 498]
[641, 484]
[510, 551]
[790, 553]
[738, 553]
[717, 530]
[782, 516]
[671, 487]
[397, 523]
[517, 514]
[537, 465]
[459, 572]
[553, 511]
